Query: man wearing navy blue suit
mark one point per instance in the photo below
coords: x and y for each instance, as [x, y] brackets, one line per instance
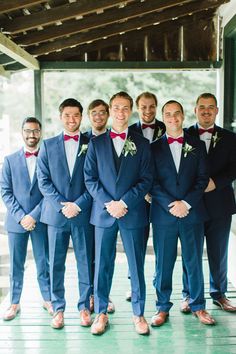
[66, 209]
[98, 113]
[219, 198]
[178, 211]
[23, 200]
[118, 175]
[151, 128]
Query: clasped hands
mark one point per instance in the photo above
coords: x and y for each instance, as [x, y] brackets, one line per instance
[178, 209]
[28, 223]
[70, 209]
[116, 209]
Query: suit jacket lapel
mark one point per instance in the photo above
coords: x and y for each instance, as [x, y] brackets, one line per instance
[109, 153]
[62, 153]
[24, 164]
[167, 150]
[79, 155]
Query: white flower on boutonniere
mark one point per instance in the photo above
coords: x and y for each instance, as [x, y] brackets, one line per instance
[159, 132]
[83, 150]
[215, 138]
[129, 147]
[187, 148]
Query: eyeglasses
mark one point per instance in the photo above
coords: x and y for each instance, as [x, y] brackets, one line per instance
[32, 131]
[100, 113]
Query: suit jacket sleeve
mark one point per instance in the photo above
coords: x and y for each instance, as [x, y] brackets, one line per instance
[144, 181]
[202, 178]
[13, 206]
[226, 176]
[91, 177]
[45, 183]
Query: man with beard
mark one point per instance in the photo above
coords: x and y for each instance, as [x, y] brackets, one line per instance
[21, 195]
[219, 198]
[66, 209]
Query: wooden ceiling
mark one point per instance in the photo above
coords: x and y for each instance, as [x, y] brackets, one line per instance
[34, 31]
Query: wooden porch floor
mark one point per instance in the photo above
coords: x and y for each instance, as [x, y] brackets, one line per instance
[31, 333]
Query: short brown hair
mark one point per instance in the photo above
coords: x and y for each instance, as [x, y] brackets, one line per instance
[96, 103]
[122, 94]
[207, 95]
[146, 95]
[170, 102]
[70, 102]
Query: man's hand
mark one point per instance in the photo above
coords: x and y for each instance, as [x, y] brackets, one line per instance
[211, 186]
[28, 223]
[70, 209]
[178, 209]
[116, 209]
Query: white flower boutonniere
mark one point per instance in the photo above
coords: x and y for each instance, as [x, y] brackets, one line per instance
[159, 132]
[129, 147]
[215, 138]
[187, 148]
[83, 150]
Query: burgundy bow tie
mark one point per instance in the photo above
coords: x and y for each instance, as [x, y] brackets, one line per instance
[152, 126]
[202, 131]
[179, 140]
[68, 137]
[114, 135]
[29, 154]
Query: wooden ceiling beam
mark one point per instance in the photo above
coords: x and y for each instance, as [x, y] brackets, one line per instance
[3, 72]
[11, 49]
[59, 13]
[131, 36]
[115, 29]
[10, 5]
[106, 18]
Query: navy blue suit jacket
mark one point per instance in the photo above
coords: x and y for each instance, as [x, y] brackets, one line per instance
[159, 130]
[58, 186]
[222, 169]
[131, 183]
[20, 196]
[187, 184]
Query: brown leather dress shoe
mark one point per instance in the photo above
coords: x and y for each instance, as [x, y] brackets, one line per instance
[47, 305]
[99, 324]
[85, 318]
[159, 319]
[184, 306]
[110, 307]
[58, 320]
[225, 304]
[204, 317]
[141, 325]
[11, 312]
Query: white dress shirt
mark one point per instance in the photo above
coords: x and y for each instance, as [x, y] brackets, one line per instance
[176, 151]
[206, 137]
[31, 164]
[148, 132]
[71, 148]
[118, 142]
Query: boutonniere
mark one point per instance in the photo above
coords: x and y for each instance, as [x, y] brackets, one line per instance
[159, 132]
[215, 138]
[83, 150]
[187, 148]
[129, 147]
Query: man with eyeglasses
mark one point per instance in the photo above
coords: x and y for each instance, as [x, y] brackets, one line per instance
[23, 199]
[98, 113]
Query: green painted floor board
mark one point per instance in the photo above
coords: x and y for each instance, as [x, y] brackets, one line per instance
[31, 333]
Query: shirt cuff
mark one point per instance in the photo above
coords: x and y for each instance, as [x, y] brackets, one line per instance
[124, 204]
[187, 205]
